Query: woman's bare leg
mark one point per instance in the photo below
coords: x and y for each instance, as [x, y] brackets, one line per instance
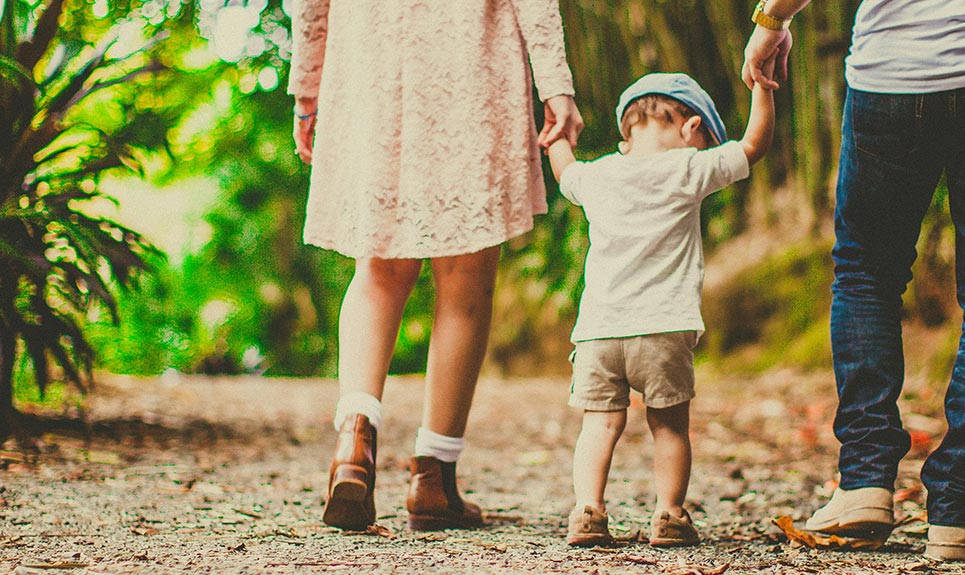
[460, 333]
[369, 322]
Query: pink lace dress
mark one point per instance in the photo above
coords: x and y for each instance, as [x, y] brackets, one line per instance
[425, 143]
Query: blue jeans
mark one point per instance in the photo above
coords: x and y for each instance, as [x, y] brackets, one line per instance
[894, 150]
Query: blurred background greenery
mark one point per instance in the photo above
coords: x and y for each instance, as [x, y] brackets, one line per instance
[200, 127]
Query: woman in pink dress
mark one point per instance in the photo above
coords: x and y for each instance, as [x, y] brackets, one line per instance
[417, 119]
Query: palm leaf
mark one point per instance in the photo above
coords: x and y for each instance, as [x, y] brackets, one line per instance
[29, 53]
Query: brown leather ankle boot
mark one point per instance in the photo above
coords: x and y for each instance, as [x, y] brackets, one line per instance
[434, 502]
[351, 480]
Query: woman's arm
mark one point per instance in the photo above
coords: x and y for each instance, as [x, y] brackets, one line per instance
[309, 32]
[542, 29]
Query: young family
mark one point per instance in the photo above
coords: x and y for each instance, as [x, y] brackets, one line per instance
[417, 120]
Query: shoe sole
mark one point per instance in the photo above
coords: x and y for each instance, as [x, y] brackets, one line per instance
[673, 542]
[869, 523]
[345, 507]
[945, 551]
[596, 540]
[436, 523]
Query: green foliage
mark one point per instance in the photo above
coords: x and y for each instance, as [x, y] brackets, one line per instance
[58, 263]
[254, 298]
[775, 312]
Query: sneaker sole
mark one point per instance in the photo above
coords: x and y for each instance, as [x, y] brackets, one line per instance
[945, 551]
[872, 523]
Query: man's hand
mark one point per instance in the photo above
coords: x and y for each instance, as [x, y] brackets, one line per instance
[762, 46]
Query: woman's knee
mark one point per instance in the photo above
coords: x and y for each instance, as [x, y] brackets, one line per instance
[467, 275]
[393, 275]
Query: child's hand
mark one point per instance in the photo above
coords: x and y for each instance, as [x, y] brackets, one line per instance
[563, 120]
[768, 66]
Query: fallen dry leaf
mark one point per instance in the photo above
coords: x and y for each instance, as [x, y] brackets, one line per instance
[816, 541]
[684, 568]
[432, 537]
[909, 494]
[11, 456]
[638, 560]
[380, 530]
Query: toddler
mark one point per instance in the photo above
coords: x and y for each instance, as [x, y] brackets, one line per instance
[639, 315]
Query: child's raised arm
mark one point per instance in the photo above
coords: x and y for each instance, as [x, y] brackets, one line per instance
[760, 124]
[561, 155]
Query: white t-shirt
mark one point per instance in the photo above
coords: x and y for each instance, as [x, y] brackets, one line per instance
[907, 47]
[645, 268]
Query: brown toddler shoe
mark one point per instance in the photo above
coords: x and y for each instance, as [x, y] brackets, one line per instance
[588, 527]
[667, 530]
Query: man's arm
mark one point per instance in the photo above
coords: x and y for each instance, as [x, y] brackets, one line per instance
[760, 124]
[561, 156]
[765, 43]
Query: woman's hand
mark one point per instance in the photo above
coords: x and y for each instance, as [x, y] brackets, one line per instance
[763, 45]
[562, 120]
[304, 130]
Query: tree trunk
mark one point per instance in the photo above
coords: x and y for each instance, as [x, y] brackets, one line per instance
[8, 346]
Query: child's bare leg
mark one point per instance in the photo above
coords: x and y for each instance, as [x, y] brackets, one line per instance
[593, 454]
[670, 427]
[369, 322]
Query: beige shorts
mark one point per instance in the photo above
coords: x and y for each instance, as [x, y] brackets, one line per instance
[659, 365]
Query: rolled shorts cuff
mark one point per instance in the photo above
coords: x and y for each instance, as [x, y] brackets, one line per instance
[614, 404]
[665, 402]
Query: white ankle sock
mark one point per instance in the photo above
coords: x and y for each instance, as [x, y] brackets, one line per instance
[442, 447]
[361, 403]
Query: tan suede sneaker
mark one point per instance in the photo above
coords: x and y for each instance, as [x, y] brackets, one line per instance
[667, 530]
[588, 527]
[945, 543]
[867, 512]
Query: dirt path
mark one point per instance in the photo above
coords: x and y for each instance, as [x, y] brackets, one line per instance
[200, 475]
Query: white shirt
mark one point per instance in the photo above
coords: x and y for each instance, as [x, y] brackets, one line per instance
[907, 47]
[644, 268]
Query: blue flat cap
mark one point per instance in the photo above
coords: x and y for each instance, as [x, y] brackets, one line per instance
[681, 87]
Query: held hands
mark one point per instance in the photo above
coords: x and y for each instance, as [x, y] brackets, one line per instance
[765, 57]
[562, 120]
[304, 130]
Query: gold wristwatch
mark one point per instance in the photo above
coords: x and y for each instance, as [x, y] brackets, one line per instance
[769, 22]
